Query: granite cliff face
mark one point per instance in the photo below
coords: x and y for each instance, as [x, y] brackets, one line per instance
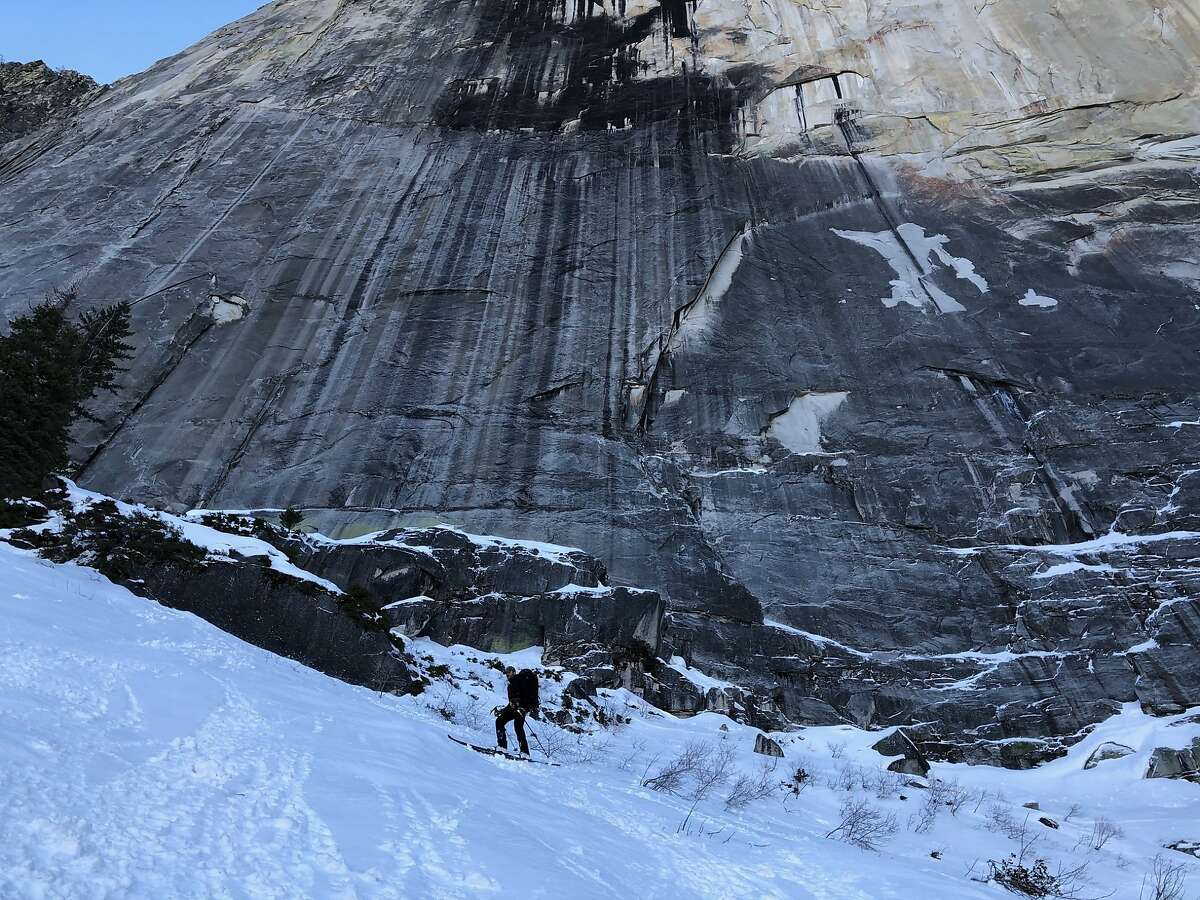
[32, 94]
[864, 333]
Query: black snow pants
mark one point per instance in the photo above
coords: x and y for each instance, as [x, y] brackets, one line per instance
[511, 713]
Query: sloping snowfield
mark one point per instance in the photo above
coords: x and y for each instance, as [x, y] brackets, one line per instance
[145, 754]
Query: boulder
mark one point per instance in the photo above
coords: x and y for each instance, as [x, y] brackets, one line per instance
[503, 623]
[1166, 762]
[902, 742]
[1191, 848]
[910, 765]
[1106, 751]
[766, 746]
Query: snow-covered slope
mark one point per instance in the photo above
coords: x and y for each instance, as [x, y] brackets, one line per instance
[144, 753]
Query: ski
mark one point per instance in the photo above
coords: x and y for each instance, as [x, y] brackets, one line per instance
[496, 751]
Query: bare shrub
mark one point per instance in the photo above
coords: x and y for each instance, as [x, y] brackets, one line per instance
[637, 748]
[1164, 881]
[585, 751]
[837, 749]
[847, 777]
[882, 783]
[863, 825]
[1074, 810]
[747, 789]
[553, 742]
[1033, 880]
[923, 820]
[1103, 831]
[981, 798]
[949, 794]
[443, 701]
[670, 778]
[798, 783]
[608, 716]
[712, 770]
[1000, 819]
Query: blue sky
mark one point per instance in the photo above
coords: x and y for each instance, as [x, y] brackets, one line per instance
[108, 39]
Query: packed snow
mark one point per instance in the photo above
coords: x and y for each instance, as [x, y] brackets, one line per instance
[144, 753]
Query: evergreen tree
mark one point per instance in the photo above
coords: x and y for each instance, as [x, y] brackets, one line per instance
[291, 518]
[50, 368]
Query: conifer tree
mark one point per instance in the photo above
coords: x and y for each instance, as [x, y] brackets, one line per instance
[50, 368]
[291, 518]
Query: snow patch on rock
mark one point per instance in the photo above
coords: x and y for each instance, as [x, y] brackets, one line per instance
[911, 285]
[799, 428]
[1033, 298]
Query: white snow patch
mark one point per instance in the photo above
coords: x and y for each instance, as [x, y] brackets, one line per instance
[1114, 540]
[1033, 298]
[1068, 568]
[696, 677]
[815, 638]
[799, 429]
[721, 473]
[697, 317]
[1187, 148]
[421, 598]
[227, 309]
[1143, 647]
[578, 590]
[910, 285]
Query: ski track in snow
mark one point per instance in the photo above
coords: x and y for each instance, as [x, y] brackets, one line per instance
[146, 754]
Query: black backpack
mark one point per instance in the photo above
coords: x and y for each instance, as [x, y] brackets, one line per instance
[523, 689]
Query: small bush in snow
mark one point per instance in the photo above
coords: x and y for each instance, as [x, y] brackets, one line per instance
[863, 825]
[671, 776]
[443, 701]
[637, 748]
[799, 782]
[925, 818]
[1000, 819]
[712, 771]
[837, 749]
[1031, 880]
[882, 783]
[1103, 831]
[747, 789]
[1164, 881]
[949, 794]
[847, 777]
[607, 716]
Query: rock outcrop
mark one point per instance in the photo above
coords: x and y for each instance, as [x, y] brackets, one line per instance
[1169, 763]
[865, 334]
[231, 579]
[490, 593]
[32, 94]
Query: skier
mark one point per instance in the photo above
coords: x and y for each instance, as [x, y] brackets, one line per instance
[522, 701]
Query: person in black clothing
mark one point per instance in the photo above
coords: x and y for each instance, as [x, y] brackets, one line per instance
[522, 701]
